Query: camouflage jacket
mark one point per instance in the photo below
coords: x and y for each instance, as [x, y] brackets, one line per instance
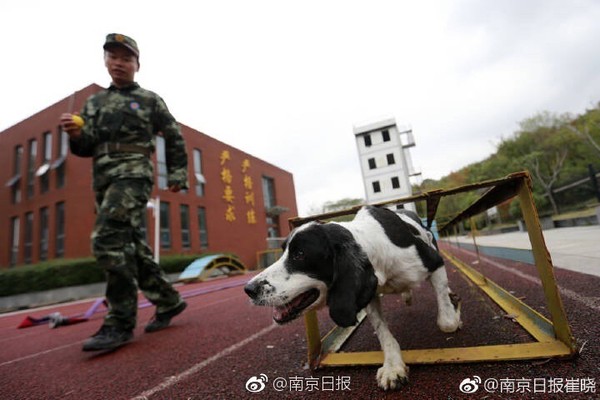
[132, 116]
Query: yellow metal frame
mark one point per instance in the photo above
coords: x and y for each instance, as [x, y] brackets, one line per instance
[228, 265]
[552, 338]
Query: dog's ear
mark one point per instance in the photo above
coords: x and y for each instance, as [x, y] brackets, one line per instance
[354, 282]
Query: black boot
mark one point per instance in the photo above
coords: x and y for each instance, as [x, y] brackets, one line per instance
[162, 320]
[107, 338]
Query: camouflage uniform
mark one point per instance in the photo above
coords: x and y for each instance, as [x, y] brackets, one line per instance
[119, 132]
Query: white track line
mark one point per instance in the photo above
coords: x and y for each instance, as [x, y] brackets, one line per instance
[39, 354]
[172, 380]
[591, 302]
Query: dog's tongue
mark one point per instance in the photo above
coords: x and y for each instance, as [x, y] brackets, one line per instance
[283, 312]
[280, 313]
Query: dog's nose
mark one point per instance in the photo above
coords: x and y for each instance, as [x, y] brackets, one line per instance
[251, 289]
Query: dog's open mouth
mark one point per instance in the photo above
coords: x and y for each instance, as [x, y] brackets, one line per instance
[293, 308]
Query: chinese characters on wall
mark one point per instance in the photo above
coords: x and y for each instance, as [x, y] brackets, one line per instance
[249, 193]
[228, 193]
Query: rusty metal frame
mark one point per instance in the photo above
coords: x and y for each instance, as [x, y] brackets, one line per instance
[552, 338]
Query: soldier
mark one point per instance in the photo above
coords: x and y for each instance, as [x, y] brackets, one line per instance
[118, 131]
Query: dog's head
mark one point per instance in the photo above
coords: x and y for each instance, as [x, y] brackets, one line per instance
[321, 264]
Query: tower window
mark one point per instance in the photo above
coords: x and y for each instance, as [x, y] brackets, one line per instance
[376, 187]
[390, 159]
[386, 135]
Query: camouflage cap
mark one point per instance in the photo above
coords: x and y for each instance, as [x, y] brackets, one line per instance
[116, 39]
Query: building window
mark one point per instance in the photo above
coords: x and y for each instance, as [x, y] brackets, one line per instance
[203, 230]
[368, 140]
[200, 181]
[28, 245]
[376, 187]
[165, 230]
[31, 167]
[185, 225]
[161, 160]
[44, 234]
[61, 156]
[390, 159]
[16, 193]
[395, 183]
[268, 186]
[43, 170]
[14, 241]
[386, 135]
[15, 182]
[18, 160]
[372, 164]
[59, 215]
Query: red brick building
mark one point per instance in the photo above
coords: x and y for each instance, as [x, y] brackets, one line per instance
[234, 203]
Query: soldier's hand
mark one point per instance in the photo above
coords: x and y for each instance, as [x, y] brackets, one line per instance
[69, 126]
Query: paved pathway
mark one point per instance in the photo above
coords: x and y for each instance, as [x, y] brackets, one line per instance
[575, 249]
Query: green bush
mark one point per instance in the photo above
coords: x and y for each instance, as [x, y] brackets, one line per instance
[63, 273]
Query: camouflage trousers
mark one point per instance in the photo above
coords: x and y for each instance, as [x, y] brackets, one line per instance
[120, 248]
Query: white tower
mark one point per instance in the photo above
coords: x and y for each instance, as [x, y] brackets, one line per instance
[383, 151]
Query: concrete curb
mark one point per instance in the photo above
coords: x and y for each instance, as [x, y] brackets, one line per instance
[61, 295]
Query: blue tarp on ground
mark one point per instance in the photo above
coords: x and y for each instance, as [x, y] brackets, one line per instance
[213, 264]
[195, 269]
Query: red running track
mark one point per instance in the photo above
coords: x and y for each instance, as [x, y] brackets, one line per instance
[221, 341]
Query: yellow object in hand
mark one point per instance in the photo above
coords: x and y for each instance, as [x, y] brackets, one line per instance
[78, 120]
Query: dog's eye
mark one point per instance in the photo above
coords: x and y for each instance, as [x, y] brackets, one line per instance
[298, 255]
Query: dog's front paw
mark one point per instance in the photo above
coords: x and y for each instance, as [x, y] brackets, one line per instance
[449, 320]
[450, 324]
[392, 377]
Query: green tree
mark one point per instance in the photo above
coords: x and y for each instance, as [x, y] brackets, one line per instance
[542, 145]
[337, 205]
[342, 204]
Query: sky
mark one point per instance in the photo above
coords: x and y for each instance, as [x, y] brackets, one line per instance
[287, 81]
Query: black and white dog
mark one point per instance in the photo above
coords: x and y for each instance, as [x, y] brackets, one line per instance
[345, 265]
